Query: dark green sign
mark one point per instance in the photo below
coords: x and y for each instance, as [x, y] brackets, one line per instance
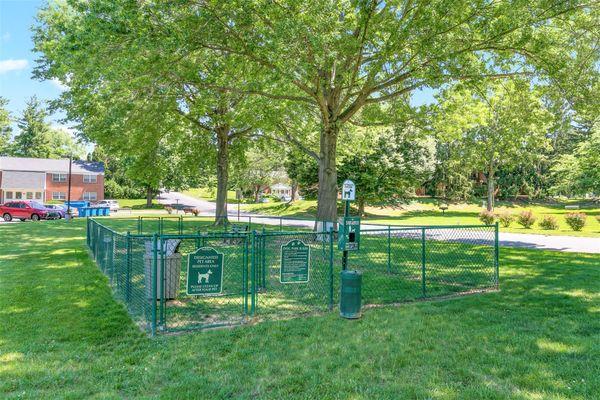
[295, 262]
[205, 272]
[349, 233]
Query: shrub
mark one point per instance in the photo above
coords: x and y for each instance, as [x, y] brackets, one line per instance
[576, 220]
[506, 218]
[487, 217]
[549, 223]
[526, 219]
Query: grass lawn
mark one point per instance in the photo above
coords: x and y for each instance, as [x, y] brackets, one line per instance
[426, 212]
[139, 204]
[209, 194]
[63, 336]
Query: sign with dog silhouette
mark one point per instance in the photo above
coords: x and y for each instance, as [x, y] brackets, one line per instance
[348, 190]
[205, 272]
[295, 262]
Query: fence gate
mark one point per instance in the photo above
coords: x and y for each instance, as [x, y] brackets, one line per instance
[202, 280]
[292, 274]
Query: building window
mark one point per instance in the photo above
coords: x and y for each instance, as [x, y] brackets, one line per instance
[18, 195]
[59, 177]
[90, 196]
[38, 195]
[90, 179]
[59, 196]
[29, 195]
[8, 195]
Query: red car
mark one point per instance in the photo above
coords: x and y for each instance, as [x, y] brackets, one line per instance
[25, 210]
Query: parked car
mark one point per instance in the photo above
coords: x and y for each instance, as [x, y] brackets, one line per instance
[26, 210]
[60, 209]
[112, 205]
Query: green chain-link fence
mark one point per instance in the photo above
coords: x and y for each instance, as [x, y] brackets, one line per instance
[148, 272]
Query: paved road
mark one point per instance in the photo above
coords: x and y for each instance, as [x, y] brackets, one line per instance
[522, 240]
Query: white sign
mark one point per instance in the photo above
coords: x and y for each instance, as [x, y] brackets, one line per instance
[348, 190]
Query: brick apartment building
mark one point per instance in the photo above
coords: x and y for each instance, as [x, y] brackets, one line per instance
[45, 179]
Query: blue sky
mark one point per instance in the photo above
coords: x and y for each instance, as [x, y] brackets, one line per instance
[17, 58]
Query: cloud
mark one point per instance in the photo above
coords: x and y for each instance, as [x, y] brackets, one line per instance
[57, 83]
[6, 37]
[12, 65]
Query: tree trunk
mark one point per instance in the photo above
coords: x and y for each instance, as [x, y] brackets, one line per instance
[256, 193]
[361, 207]
[149, 196]
[294, 192]
[327, 197]
[222, 175]
[490, 188]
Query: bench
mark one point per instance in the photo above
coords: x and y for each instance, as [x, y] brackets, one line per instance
[443, 207]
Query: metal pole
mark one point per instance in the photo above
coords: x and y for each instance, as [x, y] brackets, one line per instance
[389, 249]
[245, 274]
[163, 278]
[263, 260]
[331, 268]
[238, 209]
[423, 287]
[345, 253]
[253, 276]
[128, 264]
[497, 253]
[69, 189]
[154, 273]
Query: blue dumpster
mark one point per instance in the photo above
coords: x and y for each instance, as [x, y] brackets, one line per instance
[78, 205]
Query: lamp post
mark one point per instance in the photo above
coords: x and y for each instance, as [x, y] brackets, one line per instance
[69, 189]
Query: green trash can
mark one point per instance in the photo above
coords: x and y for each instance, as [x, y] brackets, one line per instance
[350, 301]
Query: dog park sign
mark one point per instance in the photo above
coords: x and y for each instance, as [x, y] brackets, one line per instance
[295, 262]
[205, 272]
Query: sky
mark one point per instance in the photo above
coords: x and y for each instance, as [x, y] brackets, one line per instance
[17, 60]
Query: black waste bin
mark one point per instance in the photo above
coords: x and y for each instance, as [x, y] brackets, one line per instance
[350, 301]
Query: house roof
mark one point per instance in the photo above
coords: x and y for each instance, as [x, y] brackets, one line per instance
[50, 165]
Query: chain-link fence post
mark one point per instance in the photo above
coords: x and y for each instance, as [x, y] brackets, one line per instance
[162, 291]
[389, 249]
[180, 225]
[245, 275]
[139, 225]
[128, 266]
[423, 285]
[330, 268]
[263, 261]
[253, 275]
[497, 254]
[87, 231]
[280, 224]
[153, 277]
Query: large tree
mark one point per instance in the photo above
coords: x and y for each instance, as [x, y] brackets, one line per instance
[341, 58]
[5, 127]
[33, 139]
[390, 168]
[502, 123]
[119, 64]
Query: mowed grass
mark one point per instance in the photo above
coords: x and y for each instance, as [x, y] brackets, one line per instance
[427, 212]
[63, 336]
